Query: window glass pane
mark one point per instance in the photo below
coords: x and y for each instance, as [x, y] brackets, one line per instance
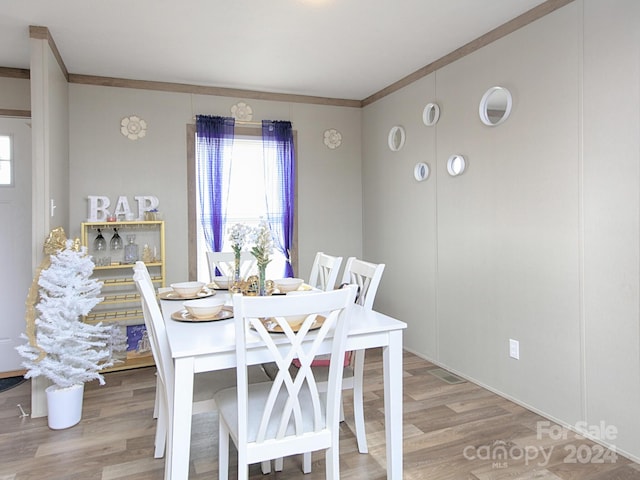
[246, 191]
[5, 172]
[5, 160]
[5, 147]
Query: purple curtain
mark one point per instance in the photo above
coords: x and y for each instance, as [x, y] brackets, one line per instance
[214, 141]
[280, 175]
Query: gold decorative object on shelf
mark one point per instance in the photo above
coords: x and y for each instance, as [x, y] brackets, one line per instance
[147, 255]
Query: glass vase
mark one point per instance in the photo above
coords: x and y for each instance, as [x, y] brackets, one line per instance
[236, 269]
[262, 289]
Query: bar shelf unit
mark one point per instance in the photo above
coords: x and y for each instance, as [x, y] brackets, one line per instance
[121, 304]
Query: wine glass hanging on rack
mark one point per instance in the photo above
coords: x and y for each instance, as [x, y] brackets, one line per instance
[99, 244]
[116, 241]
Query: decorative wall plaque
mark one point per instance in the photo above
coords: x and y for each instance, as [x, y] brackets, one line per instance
[332, 138]
[133, 127]
[241, 111]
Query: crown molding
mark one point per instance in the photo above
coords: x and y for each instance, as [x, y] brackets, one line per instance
[7, 112]
[482, 41]
[8, 72]
[42, 33]
[204, 90]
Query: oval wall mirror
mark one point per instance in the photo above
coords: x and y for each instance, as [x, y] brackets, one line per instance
[456, 165]
[431, 114]
[396, 138]
[421, 171]
[495, 106]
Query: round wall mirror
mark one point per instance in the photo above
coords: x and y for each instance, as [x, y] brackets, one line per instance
[431, 114]
[396, 138]
[456, 165]
[421, 171]
[495, 106]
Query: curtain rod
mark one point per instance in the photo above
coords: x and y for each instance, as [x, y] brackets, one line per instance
[242, 122]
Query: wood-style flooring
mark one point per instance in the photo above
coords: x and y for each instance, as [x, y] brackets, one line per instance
[451, 432]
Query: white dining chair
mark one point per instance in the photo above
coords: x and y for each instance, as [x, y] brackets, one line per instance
[289, 415]
[323, 276]
[367, 277]
[205, 384]
[224, 262]
[324, 271]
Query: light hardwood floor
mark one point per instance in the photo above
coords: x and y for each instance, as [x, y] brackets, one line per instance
[451, 432]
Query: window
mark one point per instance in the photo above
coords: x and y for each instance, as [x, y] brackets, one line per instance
[245, 199]
[6, 160]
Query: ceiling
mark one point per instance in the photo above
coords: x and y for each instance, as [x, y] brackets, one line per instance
[344, 49]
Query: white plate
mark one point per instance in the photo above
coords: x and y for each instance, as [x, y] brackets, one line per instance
[185, 316]
[172, 295]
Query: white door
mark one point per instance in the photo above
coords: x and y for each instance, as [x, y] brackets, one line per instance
[15, 242]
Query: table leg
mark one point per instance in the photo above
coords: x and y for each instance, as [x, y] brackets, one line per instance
[179, 434]
[392, 360]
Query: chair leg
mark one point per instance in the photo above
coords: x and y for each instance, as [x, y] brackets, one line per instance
[243, 467]
[161, 426]
[306, 462]
[223, 452]
[358, 401]
[332, 463]
[156, 403]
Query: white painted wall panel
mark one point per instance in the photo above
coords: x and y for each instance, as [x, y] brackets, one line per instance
[539, 239]
[612, 217]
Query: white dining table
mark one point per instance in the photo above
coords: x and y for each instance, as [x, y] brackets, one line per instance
[208, 346]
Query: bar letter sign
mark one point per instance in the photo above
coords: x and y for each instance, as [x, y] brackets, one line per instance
[99, 207]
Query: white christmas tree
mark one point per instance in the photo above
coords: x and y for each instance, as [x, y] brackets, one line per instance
[69, 351]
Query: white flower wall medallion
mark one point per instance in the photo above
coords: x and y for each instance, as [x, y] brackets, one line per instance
[241, 111]
[332, 138]
[133, 127]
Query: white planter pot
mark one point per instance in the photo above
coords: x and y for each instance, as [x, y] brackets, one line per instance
[64, 406]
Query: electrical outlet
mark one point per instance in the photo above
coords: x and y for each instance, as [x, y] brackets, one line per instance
[514, 349]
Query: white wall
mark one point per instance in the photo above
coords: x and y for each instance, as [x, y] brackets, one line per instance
[538, 240]
[15, 93]
[104, 162]
[49, 166]
[611, 213]
[50, 145]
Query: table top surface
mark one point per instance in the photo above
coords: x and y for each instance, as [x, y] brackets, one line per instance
[188, 339]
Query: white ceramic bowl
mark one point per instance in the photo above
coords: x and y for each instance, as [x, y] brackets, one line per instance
[204, 307]
[223, 281]
[288, 284]
[187, 289]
